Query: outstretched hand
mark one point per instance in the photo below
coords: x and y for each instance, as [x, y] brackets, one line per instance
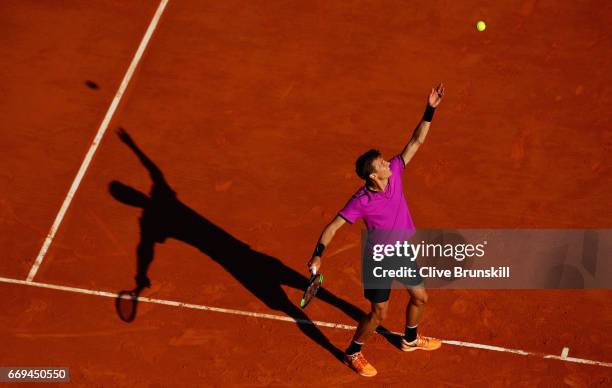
[435, 97]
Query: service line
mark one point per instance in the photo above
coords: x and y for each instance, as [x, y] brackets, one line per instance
[293, 320]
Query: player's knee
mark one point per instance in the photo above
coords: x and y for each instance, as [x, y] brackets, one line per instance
[419, 299]
[379, 312]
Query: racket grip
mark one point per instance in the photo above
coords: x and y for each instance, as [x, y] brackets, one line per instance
[313, 271]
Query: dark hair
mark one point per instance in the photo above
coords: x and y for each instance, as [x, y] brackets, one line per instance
[363, 165]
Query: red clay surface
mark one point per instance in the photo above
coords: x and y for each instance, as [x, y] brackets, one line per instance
[49, 116]
[255, 113]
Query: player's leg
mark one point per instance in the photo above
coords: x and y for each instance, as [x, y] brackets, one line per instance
[370, 322]
[416, 305]
[379, 300]
[414, 312]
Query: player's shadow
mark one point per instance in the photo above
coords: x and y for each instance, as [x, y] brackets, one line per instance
[165, 216]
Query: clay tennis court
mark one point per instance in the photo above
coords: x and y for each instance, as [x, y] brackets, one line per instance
[254, 112]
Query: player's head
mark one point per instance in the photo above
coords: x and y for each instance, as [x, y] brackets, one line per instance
[371, 166]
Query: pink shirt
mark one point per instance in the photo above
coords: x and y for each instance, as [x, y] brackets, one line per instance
[381, 210]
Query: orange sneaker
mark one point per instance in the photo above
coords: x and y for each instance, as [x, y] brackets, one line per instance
[421, 343]
[359, 364]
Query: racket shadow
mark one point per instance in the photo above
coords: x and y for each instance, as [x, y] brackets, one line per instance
[165, 216]
[126, 304]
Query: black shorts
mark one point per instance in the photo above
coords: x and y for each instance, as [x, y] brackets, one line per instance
[379, 290]
[377, 295]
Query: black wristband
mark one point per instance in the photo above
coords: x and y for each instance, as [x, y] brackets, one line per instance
[429, 112]
[318, 251]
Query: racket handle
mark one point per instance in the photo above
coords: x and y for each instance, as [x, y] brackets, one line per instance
[313, 271]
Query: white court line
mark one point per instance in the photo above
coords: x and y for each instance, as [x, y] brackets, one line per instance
[94, 145]
[289, 319]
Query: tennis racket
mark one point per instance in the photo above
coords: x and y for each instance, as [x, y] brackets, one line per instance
[313, 286]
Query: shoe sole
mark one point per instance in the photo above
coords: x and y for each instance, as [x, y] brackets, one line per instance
[360, 374]
[418, 348]
[412, 349]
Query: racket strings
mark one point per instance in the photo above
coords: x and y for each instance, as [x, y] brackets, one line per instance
[312, 289]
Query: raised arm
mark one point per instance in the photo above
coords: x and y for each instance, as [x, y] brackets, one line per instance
[326, 237]
[420, 132]
[154, 171]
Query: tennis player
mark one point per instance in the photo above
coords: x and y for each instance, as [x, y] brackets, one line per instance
[382, 206]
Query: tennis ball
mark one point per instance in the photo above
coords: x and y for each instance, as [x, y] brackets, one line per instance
[481, 25]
